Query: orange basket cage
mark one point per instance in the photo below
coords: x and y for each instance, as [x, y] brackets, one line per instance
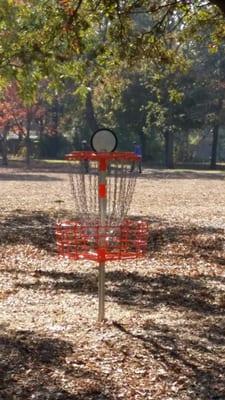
[101, 230]
[102, 243]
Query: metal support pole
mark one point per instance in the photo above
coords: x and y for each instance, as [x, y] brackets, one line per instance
[101, 292]
[102, 211]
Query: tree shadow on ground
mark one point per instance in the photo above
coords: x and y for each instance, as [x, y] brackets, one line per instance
[37, 228]
[172, 291]
[174, 174]
[139, 291]
[171, 245]
[193, 364]
[191, 349]
[36, 166]
[183, 242]
[34, 227]
[27, 177]
[36, 367]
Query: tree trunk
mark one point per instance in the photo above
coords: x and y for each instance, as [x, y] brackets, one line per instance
[4, 152]
[4, 145]
[214, 146]
[215, 132]
[90, 113]
[143, 145]
[55, 115]
[169, 142]
[27, 141]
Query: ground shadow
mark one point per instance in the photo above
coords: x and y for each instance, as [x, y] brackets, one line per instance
[186, 359]
[186, 241]
[175, 246]
[191, 350]
[159, 174]
[173, 291]
[136, 290]
[36, 166]
[34, 227]
[27, 177]
[35, 367]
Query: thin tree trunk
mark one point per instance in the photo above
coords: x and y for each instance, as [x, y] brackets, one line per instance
[143, 145]
[215, 132]
[4, 145]
[27, 140]
[4, 152]
[55, 116]
[214, 146]
[169, 142]
[90, 113]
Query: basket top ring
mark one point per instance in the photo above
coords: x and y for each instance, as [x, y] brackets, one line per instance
[92, 156]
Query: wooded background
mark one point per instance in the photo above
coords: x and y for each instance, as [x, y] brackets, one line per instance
[153, 71]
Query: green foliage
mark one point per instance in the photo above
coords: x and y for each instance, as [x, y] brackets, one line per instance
[142, 62]
[81, 40]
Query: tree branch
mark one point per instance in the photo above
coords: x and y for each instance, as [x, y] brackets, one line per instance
[220, 4]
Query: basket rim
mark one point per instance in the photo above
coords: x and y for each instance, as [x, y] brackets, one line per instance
[91, 155]
[126, 223]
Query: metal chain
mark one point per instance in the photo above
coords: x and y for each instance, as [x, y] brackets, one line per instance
[121, 178]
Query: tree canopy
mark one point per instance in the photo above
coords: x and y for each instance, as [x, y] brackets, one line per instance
[85, 39]
[136, 66]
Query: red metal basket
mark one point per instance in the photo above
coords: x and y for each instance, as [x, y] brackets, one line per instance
[102, 243]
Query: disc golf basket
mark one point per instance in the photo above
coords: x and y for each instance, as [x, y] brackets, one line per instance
[102, 185]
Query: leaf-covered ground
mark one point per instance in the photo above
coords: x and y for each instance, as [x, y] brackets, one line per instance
[164, 337]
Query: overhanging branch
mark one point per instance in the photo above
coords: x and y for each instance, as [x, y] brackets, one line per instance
[220, 4]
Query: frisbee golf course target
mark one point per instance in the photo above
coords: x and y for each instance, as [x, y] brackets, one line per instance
[104, 140]
[100, 230]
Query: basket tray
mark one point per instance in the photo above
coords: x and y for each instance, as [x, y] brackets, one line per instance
[102, 243]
